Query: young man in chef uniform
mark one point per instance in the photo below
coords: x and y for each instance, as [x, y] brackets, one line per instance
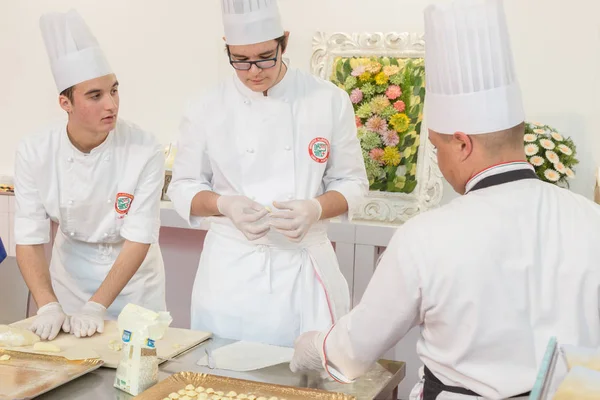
[271, 153]
[490, 277]
[100, 179]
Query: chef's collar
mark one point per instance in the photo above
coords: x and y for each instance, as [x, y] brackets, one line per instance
[96, 150]
[281, 90]
[495, 170]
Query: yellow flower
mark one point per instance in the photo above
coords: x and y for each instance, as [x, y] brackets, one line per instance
[364, 77]
[379, 103]
[353, 62]
[374, 67]
[381, 78]
[391, 70]
[391, 156]
[400, 122]
[364, 61]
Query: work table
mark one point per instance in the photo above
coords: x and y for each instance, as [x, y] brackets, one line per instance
[380, 383]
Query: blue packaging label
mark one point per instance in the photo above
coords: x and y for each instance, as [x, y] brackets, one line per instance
[126, 336]
[151, 343]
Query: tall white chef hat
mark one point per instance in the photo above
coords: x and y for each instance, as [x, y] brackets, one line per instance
[75, 55]
[471, 81]
[251, 21]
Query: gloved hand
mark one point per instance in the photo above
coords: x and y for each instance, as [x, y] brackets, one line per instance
[88, 320]
[294, 218]
[245, 214]
[308, 350]
[50, 318]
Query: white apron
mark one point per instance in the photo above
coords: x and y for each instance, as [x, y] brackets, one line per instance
[270, 290]
[78, 268]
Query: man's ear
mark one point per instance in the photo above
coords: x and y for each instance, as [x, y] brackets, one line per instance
[65, 103]
[286, 34]
[464, 144]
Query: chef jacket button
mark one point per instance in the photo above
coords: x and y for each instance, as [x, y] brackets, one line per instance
[246, 101]
[107, 158]
[261, 249]
[71, 234]
[109, 201]
[105, 234]
[290, 196]
[70, 159]
[250, 150]
[70, 202]
[288, 148]
[285, 100]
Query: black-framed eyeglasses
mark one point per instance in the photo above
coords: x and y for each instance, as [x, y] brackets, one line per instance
[261, 64]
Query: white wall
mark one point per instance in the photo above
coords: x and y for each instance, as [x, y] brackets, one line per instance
[165, 51]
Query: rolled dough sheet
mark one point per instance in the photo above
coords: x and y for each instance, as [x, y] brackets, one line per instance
[248, 356]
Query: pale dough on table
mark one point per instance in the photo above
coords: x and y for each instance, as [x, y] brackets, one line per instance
[232, 394]
[181, 392]
[210, 391]
[185, 398]
[191, 393]
[11, 336]
[199, 389]
[189, 387]
[220, 393]
[47, 347]
[174, 395]
[202, 396]
[4, 357]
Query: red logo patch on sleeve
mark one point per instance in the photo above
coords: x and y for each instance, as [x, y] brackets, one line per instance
[123, 203]
[319, 149]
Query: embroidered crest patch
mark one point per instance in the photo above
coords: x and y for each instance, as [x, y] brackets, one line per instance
[123, 203]
[319, 149]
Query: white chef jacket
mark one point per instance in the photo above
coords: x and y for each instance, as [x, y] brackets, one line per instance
[296, 143]
[99, 200]
[489, 278]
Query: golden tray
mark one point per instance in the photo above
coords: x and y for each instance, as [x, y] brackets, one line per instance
[178, 381]
[28, 375]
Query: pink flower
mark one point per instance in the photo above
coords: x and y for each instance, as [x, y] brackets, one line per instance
[400, 106]
[376, 155]
[358, 121]
[359, 70]
[390, 138]
[393, 92]
[356, 96]
[377, 124]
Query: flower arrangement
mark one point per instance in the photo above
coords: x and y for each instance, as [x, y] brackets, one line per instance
[388, 96]
[551, 154]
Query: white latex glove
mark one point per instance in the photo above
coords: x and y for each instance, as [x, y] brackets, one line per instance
[88, 320]
[246, 215]
[308, 350]
[50, 318]
[294, 218]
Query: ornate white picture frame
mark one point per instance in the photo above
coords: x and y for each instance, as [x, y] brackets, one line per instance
[381, 207]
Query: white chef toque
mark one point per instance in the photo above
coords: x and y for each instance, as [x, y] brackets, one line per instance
[251, 21]
[75, 55]
[471, 81]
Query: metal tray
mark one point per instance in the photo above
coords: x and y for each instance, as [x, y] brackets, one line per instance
[28, 375]
[176, 382]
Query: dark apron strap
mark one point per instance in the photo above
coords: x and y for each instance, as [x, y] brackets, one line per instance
[432, 387]
[505, 177]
